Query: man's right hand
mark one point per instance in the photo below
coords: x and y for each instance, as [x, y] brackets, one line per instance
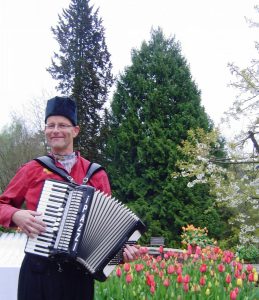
[26, 221]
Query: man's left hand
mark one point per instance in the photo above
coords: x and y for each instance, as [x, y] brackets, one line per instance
[131, 253]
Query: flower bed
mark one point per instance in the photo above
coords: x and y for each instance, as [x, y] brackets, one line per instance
[210, 273]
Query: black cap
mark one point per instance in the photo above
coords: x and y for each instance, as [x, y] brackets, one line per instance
[62, 106]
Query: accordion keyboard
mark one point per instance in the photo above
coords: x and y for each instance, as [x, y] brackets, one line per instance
[52, 203]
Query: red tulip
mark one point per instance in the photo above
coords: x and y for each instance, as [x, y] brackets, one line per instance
[179, 278]
[161, 249]
[203, 268]
[202, 280]
[150, 280]
[251, 277]
[221, 268]
[228, 278]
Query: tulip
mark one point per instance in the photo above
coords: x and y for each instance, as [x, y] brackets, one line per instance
[129, 278]
[203, 268]
[126, 267]
[161, 249]
[221, 268]
[186, 278]
[255, 276]
[202, 280]
[166, 282]
[251, 277]
[118, 272]
[152, 289]
[162, 264]
[228, 278]
[150, 280]
[179, 278]
[249, 268]
[207, 292]
[239, 282]
[186, 287]
[170, 269]
[233, 295]
[139, 267]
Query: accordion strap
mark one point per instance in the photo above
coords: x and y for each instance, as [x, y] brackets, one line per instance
[93, 168]
[48, 162]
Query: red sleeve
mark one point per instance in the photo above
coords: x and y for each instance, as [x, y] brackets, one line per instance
[101, 182]
[12, 198]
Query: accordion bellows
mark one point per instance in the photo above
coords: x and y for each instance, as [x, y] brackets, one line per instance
[84, 225]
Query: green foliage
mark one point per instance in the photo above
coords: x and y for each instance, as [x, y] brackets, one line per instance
[18, 145]
[155, 104]
[249, 253]
[83, 69]
[3, 229]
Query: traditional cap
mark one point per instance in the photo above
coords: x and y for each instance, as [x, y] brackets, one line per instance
[62, 106]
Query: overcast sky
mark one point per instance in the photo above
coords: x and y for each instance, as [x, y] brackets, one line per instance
[211, 33]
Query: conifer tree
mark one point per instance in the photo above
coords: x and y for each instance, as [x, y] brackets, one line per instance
[155, 104]
[83, 69]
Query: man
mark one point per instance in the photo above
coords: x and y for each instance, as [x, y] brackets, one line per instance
[41, 278]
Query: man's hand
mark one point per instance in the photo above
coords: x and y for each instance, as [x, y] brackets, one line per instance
[131, 253]
[26, 221]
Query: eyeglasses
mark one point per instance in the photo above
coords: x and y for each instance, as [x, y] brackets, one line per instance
[59, 126]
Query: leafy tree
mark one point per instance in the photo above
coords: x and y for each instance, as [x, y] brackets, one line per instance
[155, 104]
[83, 69]
[18, 145]
[234, 183]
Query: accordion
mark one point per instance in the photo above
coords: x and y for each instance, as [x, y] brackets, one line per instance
[85, 226]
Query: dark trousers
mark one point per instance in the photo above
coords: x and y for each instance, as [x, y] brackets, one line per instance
[42, 279]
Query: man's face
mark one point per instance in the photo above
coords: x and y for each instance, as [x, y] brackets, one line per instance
[60, 133]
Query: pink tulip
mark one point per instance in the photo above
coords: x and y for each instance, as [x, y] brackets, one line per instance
[186, 278]
[233, 295]
[152, 289]
[126, 267]
[249, 268]
[129, 278]
[139, 267]
[118, 272]
[170, 269]
[166, 282]
[161, 249]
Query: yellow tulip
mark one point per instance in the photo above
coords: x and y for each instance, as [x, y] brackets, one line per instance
[239, 282]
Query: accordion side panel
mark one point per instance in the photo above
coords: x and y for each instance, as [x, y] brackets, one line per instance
[114, 224]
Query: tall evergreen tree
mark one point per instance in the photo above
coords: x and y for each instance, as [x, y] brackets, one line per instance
[156, 102]
[83, 69]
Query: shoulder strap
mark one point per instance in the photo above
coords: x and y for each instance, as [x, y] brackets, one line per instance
[93, 168]
[47, 161]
